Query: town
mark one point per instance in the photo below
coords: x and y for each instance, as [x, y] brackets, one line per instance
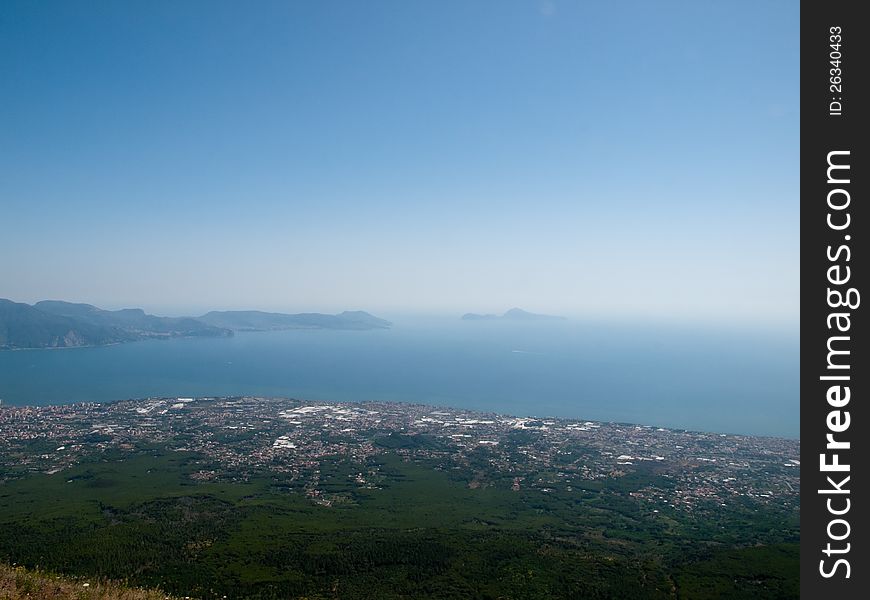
[236, 438]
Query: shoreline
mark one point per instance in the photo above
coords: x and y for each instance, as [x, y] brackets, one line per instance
[409, 405]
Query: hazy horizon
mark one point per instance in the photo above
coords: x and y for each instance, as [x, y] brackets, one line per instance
[774, 326]
[437, 158]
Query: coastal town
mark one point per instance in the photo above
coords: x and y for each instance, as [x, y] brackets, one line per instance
[237, 438]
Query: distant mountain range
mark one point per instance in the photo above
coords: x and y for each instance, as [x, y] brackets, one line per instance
[514, 314]
[255, 320]
[57, 324]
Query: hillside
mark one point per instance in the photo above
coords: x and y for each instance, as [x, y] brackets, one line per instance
[133, 320]
[58, 324]
[24, 326]
[18, 583]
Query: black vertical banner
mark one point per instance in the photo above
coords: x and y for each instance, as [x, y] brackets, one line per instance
[835, 373]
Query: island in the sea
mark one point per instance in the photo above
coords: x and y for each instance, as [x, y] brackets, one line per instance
[514, 314]
[245, 497]
[58, 324]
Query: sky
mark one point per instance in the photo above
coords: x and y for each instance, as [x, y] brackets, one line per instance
[633, 160]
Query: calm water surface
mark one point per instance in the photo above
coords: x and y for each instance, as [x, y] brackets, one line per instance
[735, 383]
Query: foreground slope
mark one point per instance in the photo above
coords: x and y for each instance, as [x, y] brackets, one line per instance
[18, 583]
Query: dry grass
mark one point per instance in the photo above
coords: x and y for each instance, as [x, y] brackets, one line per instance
[18, 583]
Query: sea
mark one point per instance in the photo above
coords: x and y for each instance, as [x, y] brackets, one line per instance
[684, 377]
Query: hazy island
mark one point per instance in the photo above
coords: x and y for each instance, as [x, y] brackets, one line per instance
[58, 324]
[514, 314]
[255, 320]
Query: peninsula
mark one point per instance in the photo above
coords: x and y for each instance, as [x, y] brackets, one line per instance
[58, 324]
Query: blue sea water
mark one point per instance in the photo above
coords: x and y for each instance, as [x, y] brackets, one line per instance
[695, 379]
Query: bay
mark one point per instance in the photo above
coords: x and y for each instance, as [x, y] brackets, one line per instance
[732, 382]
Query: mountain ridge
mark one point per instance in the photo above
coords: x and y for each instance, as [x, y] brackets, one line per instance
[61, 324]
[257, 320]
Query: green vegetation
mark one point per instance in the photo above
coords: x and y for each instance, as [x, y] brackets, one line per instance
[770, 571]
[414, 532]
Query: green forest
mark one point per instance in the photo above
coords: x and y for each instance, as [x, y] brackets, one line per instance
[422, 533]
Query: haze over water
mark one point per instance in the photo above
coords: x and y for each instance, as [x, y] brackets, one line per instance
[655, 375]
[626, 160]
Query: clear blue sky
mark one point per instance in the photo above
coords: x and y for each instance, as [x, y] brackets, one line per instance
[627, 159]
